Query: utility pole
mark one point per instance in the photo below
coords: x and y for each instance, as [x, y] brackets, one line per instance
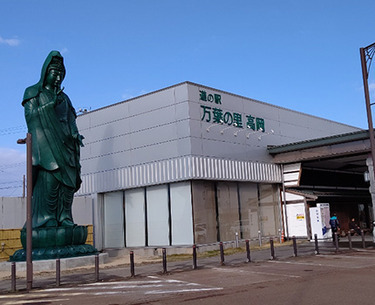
[29, 261]
[367, 54]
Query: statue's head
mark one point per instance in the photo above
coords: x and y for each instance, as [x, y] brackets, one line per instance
[55, 73]
[52, 75]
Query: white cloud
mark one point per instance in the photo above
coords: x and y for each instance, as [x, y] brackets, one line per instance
[64, 51]
[13, 42]
[9, 155]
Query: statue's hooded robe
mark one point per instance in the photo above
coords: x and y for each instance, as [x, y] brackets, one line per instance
[55, 140]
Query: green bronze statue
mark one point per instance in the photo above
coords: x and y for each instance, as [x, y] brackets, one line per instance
[51, 120]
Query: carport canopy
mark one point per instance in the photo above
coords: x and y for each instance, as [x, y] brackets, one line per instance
[334, 169]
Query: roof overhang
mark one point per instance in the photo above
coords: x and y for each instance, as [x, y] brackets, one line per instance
[334, 147]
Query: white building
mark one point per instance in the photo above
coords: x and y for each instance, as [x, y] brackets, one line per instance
[188, 164]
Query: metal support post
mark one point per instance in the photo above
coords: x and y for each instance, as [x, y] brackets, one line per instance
[316, 244]
[260, 238]
[58, 272]
[221, 254]
[237, 240]
[248, 251]
[195, 257]
[272, 249]
[367, 54]
[164, 261]
[29, 169]
[13, 273]
[294, 246]
[132, 269]
[97, 267]
[363, 239]
[336, 237]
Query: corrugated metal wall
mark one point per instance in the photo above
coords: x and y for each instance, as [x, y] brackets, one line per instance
[179, 169]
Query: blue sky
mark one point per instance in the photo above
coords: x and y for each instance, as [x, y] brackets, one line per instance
[298, 54]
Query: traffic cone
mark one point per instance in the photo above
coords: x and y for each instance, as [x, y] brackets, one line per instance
[282, 236]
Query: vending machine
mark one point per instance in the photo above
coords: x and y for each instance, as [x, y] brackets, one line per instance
[319, 220]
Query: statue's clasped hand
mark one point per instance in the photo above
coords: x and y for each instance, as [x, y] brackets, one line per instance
[57, 92]
[79, 138]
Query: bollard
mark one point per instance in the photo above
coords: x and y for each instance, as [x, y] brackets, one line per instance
[57, 272]
[294, 246]
[164, 261]
[195, 257]
[132, 270]
[13, 273]
[272, 249]
[363, 239]
[221, 254]
[316, 244]
[350, 241]
[248, 251]
[260, 238]
[336, 241]
[237, 240]
[97, 267]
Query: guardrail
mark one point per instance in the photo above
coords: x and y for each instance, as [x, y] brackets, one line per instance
[314, 249]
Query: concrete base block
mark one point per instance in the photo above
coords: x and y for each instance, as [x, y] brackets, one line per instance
[50, 265]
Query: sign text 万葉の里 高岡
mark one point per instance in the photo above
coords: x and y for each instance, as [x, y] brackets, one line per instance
[211, 113]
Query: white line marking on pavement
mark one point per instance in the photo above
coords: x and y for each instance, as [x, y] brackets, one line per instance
[256, 272]
[111, 292]
[34, 301]
[182, 290]
[348, 257]
[158, 286]
[122, 282]
[13, 296]
[123, 285]
[318, 265]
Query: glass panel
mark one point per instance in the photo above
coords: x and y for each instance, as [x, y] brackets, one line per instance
[181, 211]
[229, 221]
[249, 210]
[204, 212]
[135, 218]
[158, 215]
[113, 220]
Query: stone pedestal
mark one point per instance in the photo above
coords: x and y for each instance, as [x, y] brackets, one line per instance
[55, 242]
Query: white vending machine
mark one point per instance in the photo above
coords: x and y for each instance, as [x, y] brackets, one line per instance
[319, 220]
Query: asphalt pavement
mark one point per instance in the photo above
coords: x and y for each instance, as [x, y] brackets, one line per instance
[212, 282]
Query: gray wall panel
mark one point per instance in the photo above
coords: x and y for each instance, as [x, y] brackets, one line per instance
[161, 137]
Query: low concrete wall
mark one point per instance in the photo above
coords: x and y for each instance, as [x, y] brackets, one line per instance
[13, 211]
[13, 217]
[50, 265]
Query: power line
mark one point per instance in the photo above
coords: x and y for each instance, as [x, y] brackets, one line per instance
[13, 130]
[11, 165]
[11, 187]
[10, 182]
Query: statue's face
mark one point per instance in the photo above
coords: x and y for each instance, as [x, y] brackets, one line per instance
[54, 79]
